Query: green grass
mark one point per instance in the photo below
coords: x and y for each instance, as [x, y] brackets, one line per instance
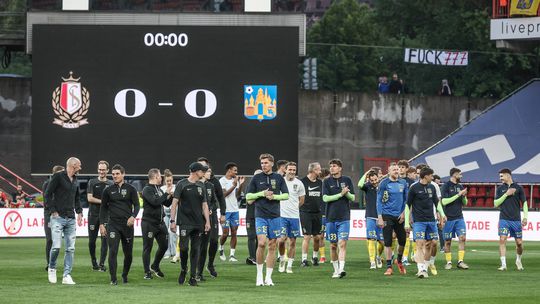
[24, 280]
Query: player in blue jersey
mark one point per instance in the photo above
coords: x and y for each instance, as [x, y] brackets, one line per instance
[454, 198]
[391, 197]
[419, 212]
[266, 190]
[368, 183]
[509, 198]
[338, 192]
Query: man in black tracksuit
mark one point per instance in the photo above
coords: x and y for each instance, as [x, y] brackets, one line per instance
[152, 224]
[192, 218]
[94, 192]
[212, 235]
[119, 208]
[251, 230]
[213, 247]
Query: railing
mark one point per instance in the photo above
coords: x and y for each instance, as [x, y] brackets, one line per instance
[19, 180]
[501, 9]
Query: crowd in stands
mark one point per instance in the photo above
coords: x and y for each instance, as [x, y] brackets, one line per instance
[18, 199]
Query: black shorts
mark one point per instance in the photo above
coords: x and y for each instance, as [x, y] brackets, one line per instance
[391, 224]
[311, 223]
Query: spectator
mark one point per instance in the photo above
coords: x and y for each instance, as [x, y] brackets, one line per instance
[445, 89]
[4, 200]
[396, 86]
[19, 198]
[383, 85]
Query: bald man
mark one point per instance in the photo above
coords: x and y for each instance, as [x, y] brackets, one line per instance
[63, 199]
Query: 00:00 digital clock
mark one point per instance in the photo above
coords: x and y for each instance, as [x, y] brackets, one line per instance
[171, 39]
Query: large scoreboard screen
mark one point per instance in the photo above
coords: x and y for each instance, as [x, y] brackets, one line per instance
[161, 96]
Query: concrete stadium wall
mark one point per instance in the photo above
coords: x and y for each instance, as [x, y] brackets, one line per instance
[348, 126]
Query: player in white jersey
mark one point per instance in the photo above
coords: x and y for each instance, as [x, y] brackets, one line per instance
[231, 184]
[290, 217]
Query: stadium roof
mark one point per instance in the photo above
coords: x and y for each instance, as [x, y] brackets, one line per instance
[506, 135]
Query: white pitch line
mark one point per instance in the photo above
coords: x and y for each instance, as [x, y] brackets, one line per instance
[497, 252]
[167, 104]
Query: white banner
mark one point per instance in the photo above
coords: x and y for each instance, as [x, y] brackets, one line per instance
[481, 225]
[437, 57]
[515, 28]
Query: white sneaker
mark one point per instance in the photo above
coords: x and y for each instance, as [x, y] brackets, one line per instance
[519, 265]
[289, 270]
[282, 265]
[335, 275]
[373, 265]
[422, 274]
[232, 258]
[52, 276]
[379, 262]
[175, 259]
[448, 266]
[502, 268]
[222, 255]
[260, 282]
[67, 280]
[268, 282]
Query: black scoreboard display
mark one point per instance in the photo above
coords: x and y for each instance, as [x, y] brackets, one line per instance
[161, 96]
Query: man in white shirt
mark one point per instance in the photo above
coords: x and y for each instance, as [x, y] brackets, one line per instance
[231, 184]
[290, 217]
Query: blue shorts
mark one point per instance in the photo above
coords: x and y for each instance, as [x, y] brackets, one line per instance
[454, 228]
[425, 231]
[510, 227]
[337, 231]
[232, 219]
[373, 231]
[290, 227]
[269, 227]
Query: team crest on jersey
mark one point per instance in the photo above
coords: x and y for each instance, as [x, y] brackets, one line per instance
[401, 188]
[112, 235]
[183, 232]
[260, 102]
[209, 191]
[150, 234]
[200, 190]
[295, 187]
[123, 192]
[70, 103]
[273, 183]
[385, 196]
[343, 185]
[430, 192]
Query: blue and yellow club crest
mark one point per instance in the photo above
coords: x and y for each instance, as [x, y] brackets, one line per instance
[260, 102]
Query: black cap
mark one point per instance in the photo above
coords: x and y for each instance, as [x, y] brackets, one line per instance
[194, 167]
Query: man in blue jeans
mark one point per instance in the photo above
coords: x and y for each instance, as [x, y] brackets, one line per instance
[63, 199]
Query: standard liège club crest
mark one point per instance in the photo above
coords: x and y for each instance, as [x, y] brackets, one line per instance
[70, 103]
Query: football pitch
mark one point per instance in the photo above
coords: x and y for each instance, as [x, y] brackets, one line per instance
[24, 279]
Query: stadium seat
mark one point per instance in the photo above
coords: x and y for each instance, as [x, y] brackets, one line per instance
[489, 202]
[481, 191]
[480, 202]
[472, 192]
[527, 190]
[536, 192]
